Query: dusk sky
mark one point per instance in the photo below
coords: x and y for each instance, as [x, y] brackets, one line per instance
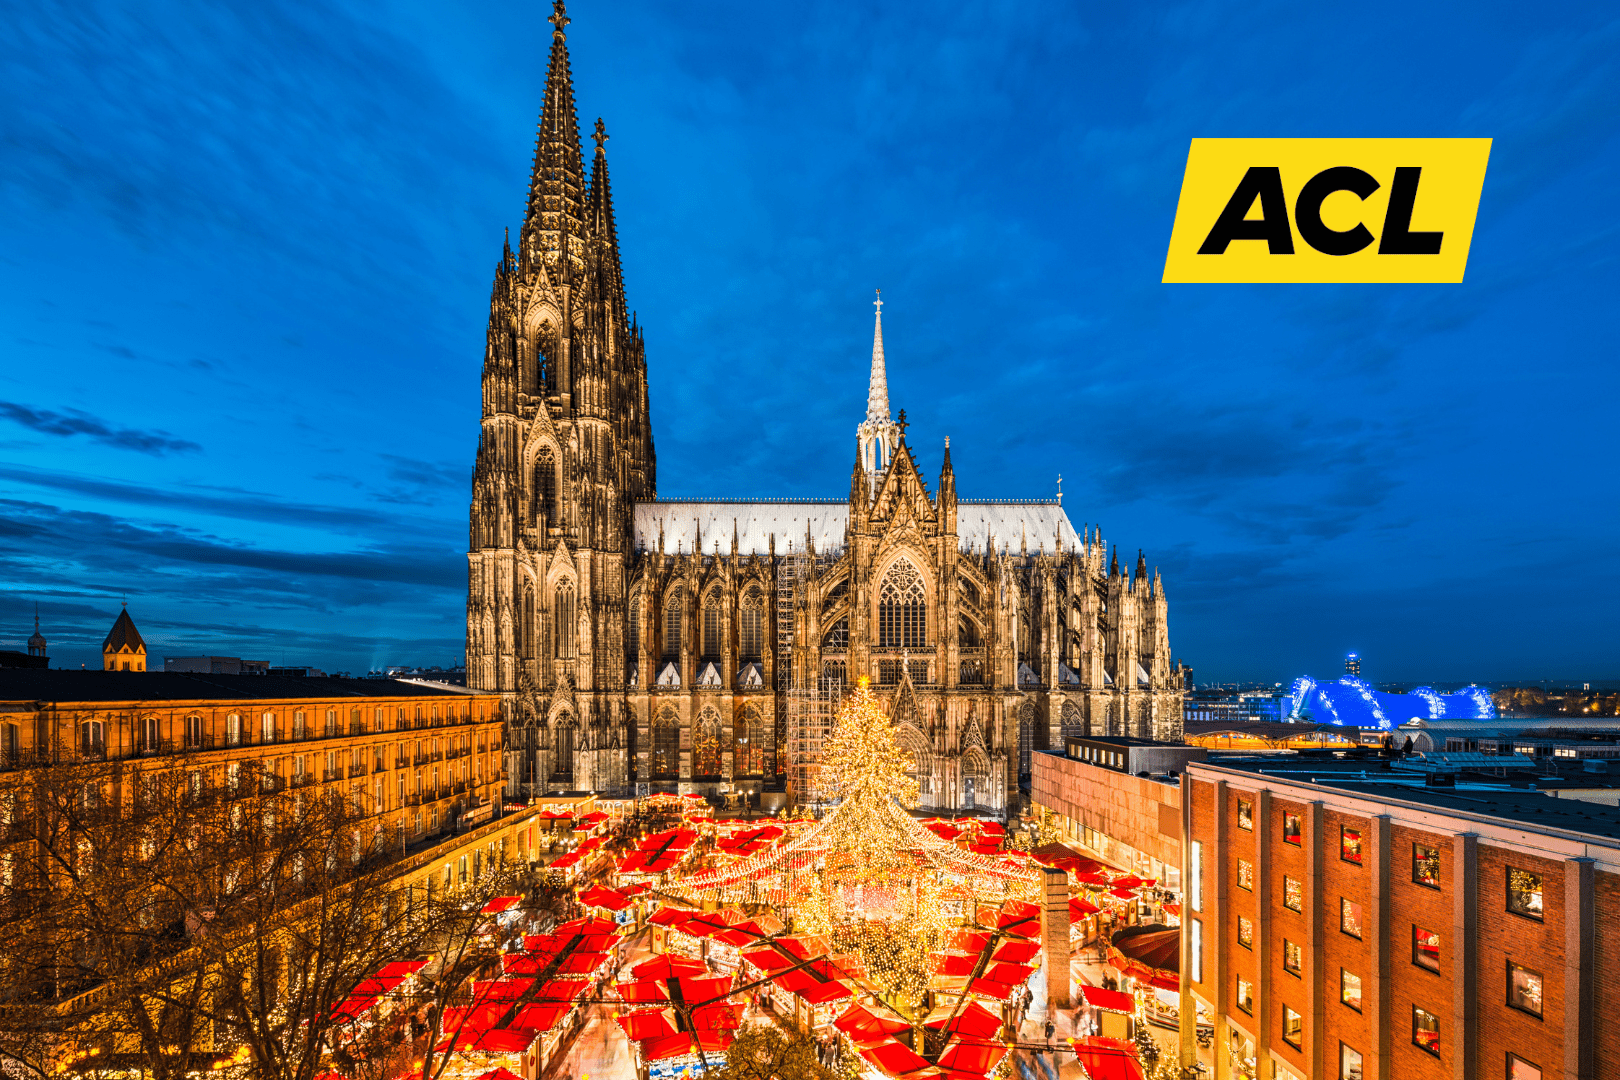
[247, 252]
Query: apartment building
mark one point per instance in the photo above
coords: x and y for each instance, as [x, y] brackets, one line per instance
[1343, 923]
[419, 758]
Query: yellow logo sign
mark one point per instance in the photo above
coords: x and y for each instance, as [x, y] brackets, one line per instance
[1327, 210]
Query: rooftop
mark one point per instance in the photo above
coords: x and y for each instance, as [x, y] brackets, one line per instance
[69, 687]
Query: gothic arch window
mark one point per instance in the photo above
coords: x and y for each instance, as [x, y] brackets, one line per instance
[902, 608]
[672, 623]
[545, 349]
[666, 744]
[565, 621]
[837, 638]
[713, 626]
[525, 627]
[543, 497]
[1026, 736]
[706, 744]
[835, 670]
[562, 750]
[751, 632]
[750, 734]
[632, 642]
[1071, 720]
[967, 633]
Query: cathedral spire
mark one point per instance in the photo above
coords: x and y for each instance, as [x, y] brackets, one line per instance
[877, 435]
[877, 390]
[557, 182]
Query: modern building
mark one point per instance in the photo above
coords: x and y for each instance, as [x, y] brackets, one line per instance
[216, 665]
[1129, 821]
[668, 642]
[418, 757]
[1352, 702]
[1349, 923]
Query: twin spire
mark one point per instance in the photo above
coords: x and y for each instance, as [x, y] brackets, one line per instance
[877, 437]
[877, 393]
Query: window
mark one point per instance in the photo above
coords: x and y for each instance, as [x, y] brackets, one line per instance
[1520, 1069]
[1350, 845]
[1426, 1031]
[1350, 989]
[1425, 949]
[706, 745]
[331, 722]
[1524, 989]
[901, 606]
[1291, 829]
[92, 738]
[672, 624]
[1195, 875]
[1349, 1063]
[1245, 877]
[1245, 932]
[666, 744]
[1349, 917]
[1245, 815]
[543, 501]
[1195, 949]
[564, 608]
[632, 640]
[1426, 865]
[1293, 1027]
[267, 727]
[1293, 894]
[1524, 893]
[837, 638]
[751, 634]
[1293, 957]
[713, 646]
[1245, 995]
[233, 730]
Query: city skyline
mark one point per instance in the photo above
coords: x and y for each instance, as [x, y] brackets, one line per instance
[246, 312]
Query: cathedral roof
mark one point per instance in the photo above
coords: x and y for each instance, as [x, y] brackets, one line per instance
[1036, 524]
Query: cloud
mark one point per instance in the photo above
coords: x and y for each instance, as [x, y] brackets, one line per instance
[77, 422]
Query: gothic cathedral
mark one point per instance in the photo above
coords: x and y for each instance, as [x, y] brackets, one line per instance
[701, 646]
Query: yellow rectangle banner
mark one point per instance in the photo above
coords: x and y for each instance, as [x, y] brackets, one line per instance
[1327, 210]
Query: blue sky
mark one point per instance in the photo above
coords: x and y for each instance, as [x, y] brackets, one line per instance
[247, 251]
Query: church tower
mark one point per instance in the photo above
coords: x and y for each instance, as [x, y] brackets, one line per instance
[124, 649]
[564, 451]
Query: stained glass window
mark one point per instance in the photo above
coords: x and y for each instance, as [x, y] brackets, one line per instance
[901, 608]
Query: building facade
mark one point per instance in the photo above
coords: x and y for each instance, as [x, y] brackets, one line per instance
[1336, 927]
[699, 645]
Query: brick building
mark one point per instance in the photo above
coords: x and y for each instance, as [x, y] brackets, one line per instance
[1341, 923]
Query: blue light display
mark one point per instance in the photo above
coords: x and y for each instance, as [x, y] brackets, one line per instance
[1351, 702]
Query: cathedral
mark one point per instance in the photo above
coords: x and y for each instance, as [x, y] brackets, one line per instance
[648, 644]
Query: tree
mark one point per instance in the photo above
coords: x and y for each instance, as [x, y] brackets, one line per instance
[764, 1051]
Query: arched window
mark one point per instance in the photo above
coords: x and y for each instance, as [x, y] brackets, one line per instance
[1026, 736]
[543, 497]
[666, 744]
[562, 751]
[749, 759]
[92, 738]
[751, 632]
[902, 619]
[1073, 723]
[233, 730]
[672, 624]
[151, 741]
[525, 628]
[632, 641]
[838, 637]
[565, 621]
[713, 621]
[267, 728]
[706, 745]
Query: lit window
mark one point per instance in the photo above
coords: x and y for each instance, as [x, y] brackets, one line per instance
[1246, 815]
[1350, 989]
[1524, 989]
[1425, 949]
[1293, 957]
[1426, 865]
[1195, 948]
[1349, 917]
[1245, 877]
[1524, 893]
[1349, 1063]
[1291, 829]
[1426, 1031]
[1245, 995]
[1350, 845]
[1293, 894]
[1520, 1069]
[1245, 932]
[1195, 875]
[1293, 1027]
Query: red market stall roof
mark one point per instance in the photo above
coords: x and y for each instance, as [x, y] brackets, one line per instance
[685, 1043]
[1108, 1059]
[863, 1025]
[591, 820]
[668, 966]
[972, 1055]
[718, 1017]
[1112, 1000]
[500, 1074]
[500, 904]
[1151, 953]
[992, 828]
[648, 1024]
[989, 988]
[498, 1041]
[972, 1019]
[768, 959]
[895, 1058]
[1016, 952]
[1172, 909]
[401, 967]
[1123, 894]
[670, 916]
[1079, 908]
[591, 924]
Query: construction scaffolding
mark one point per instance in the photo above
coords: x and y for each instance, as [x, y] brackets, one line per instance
[810, 700]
